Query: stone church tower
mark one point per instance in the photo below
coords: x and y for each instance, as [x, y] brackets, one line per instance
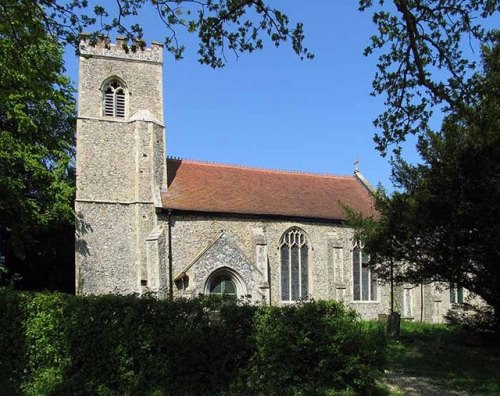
[121, 170]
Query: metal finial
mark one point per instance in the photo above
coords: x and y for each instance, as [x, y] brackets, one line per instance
[356, 165]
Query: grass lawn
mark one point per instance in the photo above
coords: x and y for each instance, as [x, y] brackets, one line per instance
[445, 358]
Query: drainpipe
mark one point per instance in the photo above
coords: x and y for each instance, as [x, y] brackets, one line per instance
[421, 302]
[170, 271]
[269, 281]
[392, 287]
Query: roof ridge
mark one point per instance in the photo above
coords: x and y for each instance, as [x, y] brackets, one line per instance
[274, 170]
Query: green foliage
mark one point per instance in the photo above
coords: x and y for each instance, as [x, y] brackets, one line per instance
[37, 111]
[443, 224]
[12, 342]
[311, 348]
[236, 25]
[424, 61]
[478, 322]
[56, 344]
[444, 358]
[425, 332]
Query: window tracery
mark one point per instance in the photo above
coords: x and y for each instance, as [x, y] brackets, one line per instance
[294, 252]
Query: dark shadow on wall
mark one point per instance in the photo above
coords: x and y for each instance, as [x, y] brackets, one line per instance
[81, 228]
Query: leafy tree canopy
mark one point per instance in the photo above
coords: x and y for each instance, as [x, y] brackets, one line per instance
[444, 223]
[37, 106]
[37, 111]
[423, 61]
[235, 25]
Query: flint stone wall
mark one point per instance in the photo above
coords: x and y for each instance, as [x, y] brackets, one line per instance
[143, 79]
[193, 234]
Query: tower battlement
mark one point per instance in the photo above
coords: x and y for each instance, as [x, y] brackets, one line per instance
[121, 49]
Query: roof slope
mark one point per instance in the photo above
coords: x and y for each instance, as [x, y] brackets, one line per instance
[218, 188]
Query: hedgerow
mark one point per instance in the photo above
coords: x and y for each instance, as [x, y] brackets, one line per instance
[57, 344]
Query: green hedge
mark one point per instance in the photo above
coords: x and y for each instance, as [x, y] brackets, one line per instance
[56, 344]
[313, 347]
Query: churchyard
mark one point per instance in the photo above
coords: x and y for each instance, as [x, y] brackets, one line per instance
[437, 359]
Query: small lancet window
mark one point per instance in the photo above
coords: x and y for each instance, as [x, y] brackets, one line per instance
[114, 99]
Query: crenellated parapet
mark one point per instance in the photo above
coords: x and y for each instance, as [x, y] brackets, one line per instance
[121, 49]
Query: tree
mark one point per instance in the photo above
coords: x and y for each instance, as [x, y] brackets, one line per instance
[234, 25]
[444, 224]
[438, 225]
[37, 107]
[37, 110]
[424, 62]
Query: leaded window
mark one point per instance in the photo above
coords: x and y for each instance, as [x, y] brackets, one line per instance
[114, 99]
[223, 285]
[364, 278]
[456, 294]
[294, 253]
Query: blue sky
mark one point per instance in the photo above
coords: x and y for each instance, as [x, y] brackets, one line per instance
[270, 109]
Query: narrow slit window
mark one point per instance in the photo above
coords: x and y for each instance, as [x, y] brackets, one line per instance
[456, 294]
[114, 100]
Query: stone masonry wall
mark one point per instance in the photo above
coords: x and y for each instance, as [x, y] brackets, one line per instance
[141, 71]
[192, 235]
[106, 245]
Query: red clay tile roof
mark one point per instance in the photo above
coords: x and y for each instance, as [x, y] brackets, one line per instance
[217, 188]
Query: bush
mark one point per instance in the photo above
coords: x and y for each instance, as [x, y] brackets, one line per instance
[313, 347]
[56, 344]
[12, 343]
[476, 323]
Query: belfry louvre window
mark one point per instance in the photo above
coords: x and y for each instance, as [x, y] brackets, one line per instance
[114, 99]
[294, 267]
[364, 279]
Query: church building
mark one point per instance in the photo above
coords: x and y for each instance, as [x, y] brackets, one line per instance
[148, 223]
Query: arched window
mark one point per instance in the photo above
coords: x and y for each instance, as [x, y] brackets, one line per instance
[364, 278]
[294, 269]
[114, 99]
[225, 282]
[223, 285]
